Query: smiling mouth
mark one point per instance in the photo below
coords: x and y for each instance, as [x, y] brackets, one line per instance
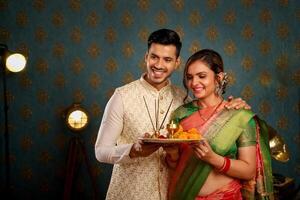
[196, 90]
[157, 71]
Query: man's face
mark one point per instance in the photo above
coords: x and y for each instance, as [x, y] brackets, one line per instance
[161, 61]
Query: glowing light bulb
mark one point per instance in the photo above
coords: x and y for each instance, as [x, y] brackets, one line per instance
[15, 62]
[77, 119]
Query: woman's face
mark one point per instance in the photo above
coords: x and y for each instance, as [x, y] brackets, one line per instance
[201, 80]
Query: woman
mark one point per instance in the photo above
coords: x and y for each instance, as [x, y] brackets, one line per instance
[227, 164]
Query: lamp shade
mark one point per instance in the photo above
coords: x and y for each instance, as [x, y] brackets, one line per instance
[77, 118]
[15, 62]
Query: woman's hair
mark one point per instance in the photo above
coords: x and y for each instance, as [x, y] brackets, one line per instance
[165, 37]
[212, 59]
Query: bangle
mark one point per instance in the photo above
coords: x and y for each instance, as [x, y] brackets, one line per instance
[226, 165]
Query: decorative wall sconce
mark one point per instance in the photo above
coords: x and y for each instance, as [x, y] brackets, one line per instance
[12, 62]
[77, 118]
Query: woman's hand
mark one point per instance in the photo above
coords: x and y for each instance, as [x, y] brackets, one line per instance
[172, 154]
[204, 152]
[172, 150]
[236, 103]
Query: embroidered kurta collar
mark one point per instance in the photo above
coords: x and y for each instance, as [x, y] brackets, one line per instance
[148, 86]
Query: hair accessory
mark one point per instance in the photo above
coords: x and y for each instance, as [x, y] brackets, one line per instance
[221, 86]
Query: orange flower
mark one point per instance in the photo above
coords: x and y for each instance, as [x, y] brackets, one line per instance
[190, 134]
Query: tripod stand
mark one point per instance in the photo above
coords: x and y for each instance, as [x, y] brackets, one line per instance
[76, 148]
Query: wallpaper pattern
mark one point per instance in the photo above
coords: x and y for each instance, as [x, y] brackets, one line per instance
[81, 50]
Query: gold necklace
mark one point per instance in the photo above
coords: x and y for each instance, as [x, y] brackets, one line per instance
[214, 111]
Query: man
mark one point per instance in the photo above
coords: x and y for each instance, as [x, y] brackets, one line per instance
[139, 170]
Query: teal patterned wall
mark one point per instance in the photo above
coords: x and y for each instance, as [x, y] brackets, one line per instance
[81, 50]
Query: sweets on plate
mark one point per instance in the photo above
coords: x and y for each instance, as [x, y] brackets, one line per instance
[189, 134]
[180, 134]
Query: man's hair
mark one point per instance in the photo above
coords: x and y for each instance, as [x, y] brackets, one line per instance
[165, 37]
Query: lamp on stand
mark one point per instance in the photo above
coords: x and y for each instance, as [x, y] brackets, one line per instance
[76, 119]
[10, 62]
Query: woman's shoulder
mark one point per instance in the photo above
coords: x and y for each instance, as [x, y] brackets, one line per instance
[244, 112]
[239, 112]
[184, 111]
[187, 106]
[242, 116]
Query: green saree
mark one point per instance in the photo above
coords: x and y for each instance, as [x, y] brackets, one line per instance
[222, 132]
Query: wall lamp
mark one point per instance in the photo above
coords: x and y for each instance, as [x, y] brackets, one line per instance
[10, 62]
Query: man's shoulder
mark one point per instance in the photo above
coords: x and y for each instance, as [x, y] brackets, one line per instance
[128, 86]
[177, 90]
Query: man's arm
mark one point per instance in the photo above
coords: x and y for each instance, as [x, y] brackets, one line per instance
[110, 129]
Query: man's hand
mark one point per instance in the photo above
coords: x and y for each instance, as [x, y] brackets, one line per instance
[140, 149]
[236, 103]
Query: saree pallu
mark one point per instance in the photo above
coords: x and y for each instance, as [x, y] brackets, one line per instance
[260, 188]
[221, 131]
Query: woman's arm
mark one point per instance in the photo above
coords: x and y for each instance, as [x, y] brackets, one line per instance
[244, 167]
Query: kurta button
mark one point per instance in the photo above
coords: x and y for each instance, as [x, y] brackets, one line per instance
[162, 112]
[161, 97]
[161, 169]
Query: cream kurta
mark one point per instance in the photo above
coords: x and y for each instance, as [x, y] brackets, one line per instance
[125, 119]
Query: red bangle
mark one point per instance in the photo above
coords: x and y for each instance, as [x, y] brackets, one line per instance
[226, 165]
